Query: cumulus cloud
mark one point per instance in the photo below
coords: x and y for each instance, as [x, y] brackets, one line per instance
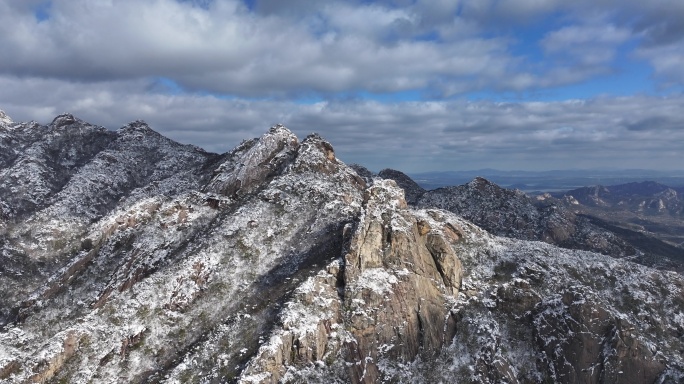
[213, 72]
[636, 131]
[225, 48]
[222, 46]
[588, 42]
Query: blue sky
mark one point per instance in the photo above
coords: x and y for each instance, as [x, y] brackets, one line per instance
[407, 84]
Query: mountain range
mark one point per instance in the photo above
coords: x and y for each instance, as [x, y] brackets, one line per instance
[539, 182]
[127, 257]
[638, 221]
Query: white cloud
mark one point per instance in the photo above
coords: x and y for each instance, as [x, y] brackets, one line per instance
[638, 131]
[667, 62]
[103, 61]
[583, 35]
[226, 49]
[314, 48]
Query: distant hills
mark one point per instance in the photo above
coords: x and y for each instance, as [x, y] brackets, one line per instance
[641, 221]
[549, 181]
[646, 207]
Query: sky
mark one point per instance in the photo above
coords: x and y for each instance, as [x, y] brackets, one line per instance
[413, 85]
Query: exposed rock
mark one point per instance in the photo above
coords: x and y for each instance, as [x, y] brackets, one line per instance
[77, 174]
[4, 119]
[398, 288]
[364, 172]
[512, 213]
[253, 162]
[604, 348]
[412, 190]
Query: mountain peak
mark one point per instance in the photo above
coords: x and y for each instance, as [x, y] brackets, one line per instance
[411, 188]
[4, 119]
[481, 183]
[254, 161]
[64, 119]
[136, 126]
[280, 129]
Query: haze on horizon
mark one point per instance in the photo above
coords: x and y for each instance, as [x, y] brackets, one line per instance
[411, 85]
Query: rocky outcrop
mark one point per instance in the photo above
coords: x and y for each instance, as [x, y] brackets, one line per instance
[389, 297]
[524, 312]
[175, 258]
[605, 348]
[398, 280]
[61, 179]
[4, 119]
[364, 172]
[41, 169]
[412, 190]
[250, 164]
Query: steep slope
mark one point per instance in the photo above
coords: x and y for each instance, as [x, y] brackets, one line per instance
[5, 120]
[512, 213]
[35, 172]
[364, 172]
[388, 298]
[178, 271]
[277, 262]
[71, 174]
[649, 198]
[525, 311]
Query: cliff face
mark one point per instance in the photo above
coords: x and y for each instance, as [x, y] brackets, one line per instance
[524, 312]
[138, 259]
[387, 299]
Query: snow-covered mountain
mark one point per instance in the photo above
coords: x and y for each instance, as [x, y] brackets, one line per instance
[560, 220]
[127, 257]
[649, 198]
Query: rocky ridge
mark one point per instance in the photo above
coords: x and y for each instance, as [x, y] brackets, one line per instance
[647, 197]
[647, 207]
[512, 213]
[412, 190]
[276, 262]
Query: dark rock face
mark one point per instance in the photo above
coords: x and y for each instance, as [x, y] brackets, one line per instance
[601, 337]
[501, 211]
[251, 164]
[364, 172]
[148, 261]
[41, 160]
[412, 190]
[512, 213]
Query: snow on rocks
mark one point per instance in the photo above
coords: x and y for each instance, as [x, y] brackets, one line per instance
[277, 262]
[4, 119]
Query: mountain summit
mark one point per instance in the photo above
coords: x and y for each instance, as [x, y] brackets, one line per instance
[4, 119]
[127, 257]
